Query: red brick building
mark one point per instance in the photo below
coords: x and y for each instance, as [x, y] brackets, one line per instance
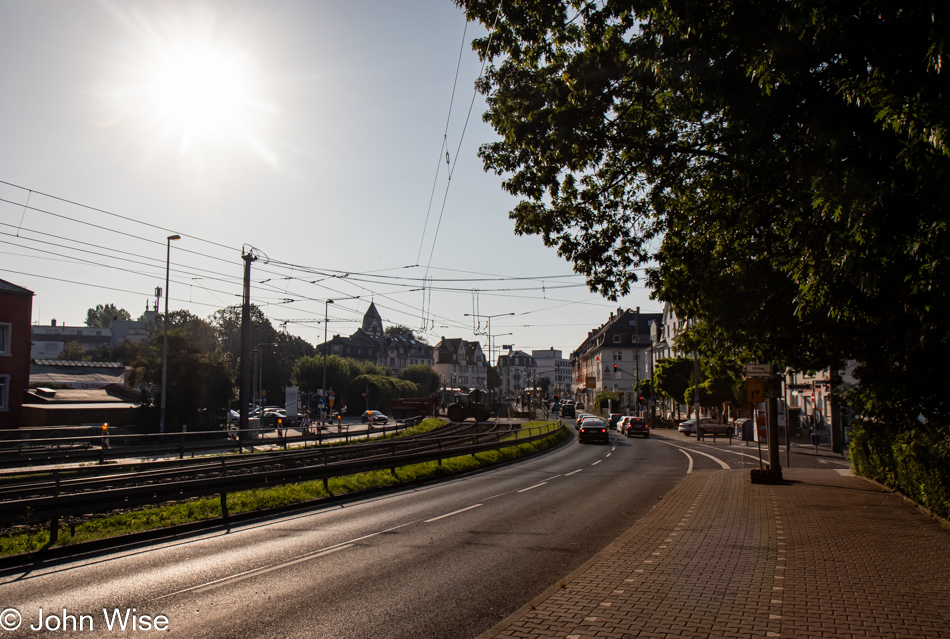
[16, 310]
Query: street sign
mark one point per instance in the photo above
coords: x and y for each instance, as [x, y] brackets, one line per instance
[758, 370]
[755, 390]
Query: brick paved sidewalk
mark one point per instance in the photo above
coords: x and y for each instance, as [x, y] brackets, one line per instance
[824, 555]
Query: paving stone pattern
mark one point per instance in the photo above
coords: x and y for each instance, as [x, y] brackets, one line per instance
[824, 555]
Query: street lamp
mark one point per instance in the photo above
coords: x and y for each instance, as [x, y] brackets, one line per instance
[168, 259]
[326, 347]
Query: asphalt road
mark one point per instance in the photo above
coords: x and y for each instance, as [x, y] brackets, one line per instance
[444, 560]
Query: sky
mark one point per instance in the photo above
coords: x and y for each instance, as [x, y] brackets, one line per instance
[337, 141]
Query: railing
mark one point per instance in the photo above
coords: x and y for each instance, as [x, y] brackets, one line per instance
[38, 496]
[92, 443]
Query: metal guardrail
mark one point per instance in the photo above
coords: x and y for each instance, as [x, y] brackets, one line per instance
[229, 474]
[100, 445]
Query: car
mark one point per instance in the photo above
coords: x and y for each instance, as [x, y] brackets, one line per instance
[614, 420]
[688, 427]
[272, 418]
[593, 430]
[581, 417]
[373, 417]
[635, 426]
[567, 411]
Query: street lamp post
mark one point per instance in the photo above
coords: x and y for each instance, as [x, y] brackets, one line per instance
[326, 347]
[168, 259]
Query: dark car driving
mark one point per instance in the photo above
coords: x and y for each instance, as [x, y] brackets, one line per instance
[593, 429]
[636, 426]
[374, 417]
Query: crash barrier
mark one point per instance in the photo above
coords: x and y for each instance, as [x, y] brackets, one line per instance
[98, 443]
[39, 496]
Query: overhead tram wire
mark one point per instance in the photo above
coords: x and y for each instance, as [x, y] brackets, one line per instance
[462, 137]
[445, 141]
[116, 215]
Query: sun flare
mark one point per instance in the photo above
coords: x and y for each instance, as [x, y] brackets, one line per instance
[184, 80]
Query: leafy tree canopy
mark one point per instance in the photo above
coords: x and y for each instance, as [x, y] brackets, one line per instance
[74, 352]
[426, 378]
[102, 315]
[398, 330]
[779, 168]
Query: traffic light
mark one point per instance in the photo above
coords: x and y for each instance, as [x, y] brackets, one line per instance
[557, 397]
[615, 369]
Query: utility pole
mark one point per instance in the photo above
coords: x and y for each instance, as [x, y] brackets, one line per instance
[245, 392]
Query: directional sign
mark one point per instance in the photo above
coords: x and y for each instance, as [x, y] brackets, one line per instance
[758, 370]
[755, 390]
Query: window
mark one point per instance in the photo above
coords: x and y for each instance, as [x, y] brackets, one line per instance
[618, 356]
[4, 392]
[616, 339]
[6, 334]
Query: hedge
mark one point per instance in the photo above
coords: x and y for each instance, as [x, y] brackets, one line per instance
[914, 461]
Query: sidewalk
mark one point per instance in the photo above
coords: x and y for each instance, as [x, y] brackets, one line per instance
[826, 554]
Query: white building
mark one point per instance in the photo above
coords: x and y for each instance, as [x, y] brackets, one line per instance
[552, 365]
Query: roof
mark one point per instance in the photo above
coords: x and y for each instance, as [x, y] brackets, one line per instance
[105, 396]
[71, 363]
[13, 289]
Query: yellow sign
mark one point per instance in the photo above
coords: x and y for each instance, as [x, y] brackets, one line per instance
[755, 390]
[591, 382]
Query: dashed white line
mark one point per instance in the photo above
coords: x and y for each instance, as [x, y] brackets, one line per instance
[597, 462]
[574, 472]
[462, 510]
[524, 490]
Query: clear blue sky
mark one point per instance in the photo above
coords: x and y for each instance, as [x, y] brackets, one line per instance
[310, 130]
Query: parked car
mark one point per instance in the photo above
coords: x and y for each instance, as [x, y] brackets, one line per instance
[635, 426]
[567, 411]
[373, 417]
[688, 427]
[593, 430]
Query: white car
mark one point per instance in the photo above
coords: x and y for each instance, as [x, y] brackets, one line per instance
[688, 427]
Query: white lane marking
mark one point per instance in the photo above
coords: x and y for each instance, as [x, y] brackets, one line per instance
[699, 452]
[574, 472]
[462, 510]
[608, 454]
[689, 469]
[597, 462]
[230, 579]
[524, 490]
[343, 545]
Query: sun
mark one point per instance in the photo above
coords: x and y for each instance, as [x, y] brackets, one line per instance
[200, 92]
[187, 81]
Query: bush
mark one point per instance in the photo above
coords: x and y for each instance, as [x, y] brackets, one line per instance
[915, 462]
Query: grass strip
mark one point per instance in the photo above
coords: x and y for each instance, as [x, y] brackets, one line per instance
[255, 500]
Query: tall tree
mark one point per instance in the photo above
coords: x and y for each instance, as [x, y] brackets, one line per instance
[778, 167]
[102, 315]
[426, 378]
[200, 378]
